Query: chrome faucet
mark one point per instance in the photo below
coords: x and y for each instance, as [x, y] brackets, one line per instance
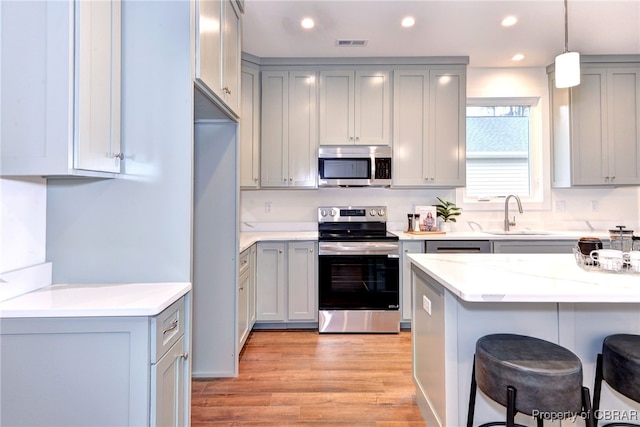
[508, 223]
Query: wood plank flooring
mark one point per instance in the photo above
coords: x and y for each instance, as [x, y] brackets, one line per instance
[302, 378]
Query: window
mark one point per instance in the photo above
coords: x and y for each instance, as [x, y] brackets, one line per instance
[504, 151]
[498, 150]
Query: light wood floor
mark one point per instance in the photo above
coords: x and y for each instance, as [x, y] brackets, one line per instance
[302, 378]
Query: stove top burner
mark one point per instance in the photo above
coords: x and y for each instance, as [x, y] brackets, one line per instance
[353, 223]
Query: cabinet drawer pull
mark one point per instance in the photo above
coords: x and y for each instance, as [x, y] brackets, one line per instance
[174, 325]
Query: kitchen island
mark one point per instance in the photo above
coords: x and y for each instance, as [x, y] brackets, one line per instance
[457, 298]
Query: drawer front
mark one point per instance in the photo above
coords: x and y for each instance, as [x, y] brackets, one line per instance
[244, 261]
[167, 328]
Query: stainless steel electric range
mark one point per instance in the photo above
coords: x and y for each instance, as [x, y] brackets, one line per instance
[358, 271]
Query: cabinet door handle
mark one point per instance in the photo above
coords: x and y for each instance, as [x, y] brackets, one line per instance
[119, 156]
[184, 356]
[174, 325]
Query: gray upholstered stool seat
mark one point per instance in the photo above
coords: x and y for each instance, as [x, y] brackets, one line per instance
[528, 375]
[619, 366]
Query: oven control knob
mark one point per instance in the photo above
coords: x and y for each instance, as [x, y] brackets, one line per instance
[323, 212]
[372, 212]
[380, 212]
[332, 213]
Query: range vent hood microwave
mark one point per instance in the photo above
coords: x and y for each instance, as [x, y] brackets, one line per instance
[354, 166]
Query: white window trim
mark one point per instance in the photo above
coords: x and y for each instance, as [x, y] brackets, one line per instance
[540, 198]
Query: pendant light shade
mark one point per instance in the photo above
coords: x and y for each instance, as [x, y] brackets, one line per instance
[567, 64]
[568, 70]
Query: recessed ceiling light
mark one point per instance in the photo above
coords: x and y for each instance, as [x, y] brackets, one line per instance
[307, 23]
[509, 21]
[517, 57]
[408, 21]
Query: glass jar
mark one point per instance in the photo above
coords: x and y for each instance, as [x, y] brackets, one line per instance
[621, 239]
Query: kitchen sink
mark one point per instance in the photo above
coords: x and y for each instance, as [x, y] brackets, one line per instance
[520, 233]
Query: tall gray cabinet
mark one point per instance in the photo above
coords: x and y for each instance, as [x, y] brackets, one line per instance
[429, 131]
[289, 129]
[596, 125]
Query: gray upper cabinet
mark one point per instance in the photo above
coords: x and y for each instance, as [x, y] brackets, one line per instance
[61, 112]
[218, 52]
[429, 136]
[289, 129]
[250, 128]
[596, 126]
[355, 107]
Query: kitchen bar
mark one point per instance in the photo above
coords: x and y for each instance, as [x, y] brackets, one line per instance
[457, 298]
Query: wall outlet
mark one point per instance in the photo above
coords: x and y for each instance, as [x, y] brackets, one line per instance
[561, 206]
[267, 207]
[595, 206]
[426, 304]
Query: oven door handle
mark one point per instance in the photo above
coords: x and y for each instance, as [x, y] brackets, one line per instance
[359, 248]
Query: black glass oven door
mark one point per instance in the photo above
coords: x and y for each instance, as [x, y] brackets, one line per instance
[358, 282]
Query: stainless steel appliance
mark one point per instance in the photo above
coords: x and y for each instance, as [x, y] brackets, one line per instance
[458, 246]
[354, 166]
[358, 267]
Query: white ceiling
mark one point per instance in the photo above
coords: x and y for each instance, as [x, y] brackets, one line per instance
[443, 28]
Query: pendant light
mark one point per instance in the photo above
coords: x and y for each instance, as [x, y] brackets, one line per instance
[567, 64]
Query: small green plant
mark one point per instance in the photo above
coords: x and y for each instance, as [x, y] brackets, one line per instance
[446, 210]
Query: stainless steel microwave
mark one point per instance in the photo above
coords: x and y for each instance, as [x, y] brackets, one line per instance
[354, 166]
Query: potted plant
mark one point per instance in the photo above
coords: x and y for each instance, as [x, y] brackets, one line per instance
[447, 213]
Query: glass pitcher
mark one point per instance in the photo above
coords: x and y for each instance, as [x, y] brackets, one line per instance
[621, 238]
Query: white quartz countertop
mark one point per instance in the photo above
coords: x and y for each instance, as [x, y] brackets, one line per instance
[499, 235]
[526, 278]
[133, 299]
[249, 238]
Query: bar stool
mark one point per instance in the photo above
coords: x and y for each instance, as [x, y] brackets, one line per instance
[619, 366]
[528, 375]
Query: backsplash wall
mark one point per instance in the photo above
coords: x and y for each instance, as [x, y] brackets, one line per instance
[23, 224]
[296, 210]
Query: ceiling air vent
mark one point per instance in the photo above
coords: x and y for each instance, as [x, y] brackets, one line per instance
[351, 43]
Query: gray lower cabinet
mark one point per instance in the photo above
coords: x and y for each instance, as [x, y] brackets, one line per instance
[407, 247]
[533, 246]
[98, 371]
[286, 282]
[246, 295]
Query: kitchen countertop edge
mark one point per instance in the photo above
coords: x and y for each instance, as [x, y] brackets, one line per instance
[95, 300]
[248, 238]
[530, 278]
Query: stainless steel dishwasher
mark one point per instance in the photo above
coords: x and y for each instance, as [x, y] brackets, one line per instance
[458, 246]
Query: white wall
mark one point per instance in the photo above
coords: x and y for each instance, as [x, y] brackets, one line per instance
[566, 209]
[22, 222]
